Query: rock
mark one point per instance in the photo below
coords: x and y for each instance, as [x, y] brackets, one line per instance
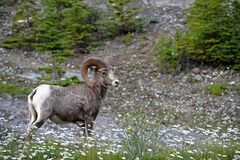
[11, 117]
[198, 78]
[196, 70]
[2, 50]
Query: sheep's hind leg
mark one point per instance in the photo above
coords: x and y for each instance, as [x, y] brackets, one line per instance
[32, 115]
[35, 126]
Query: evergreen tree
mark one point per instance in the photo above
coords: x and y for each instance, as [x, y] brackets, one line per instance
[24, 21]
[79, 27]
[26, 15]
[228, 50]
[50, 31]
[125, 15]
[204, 23]
[50, 34]
[213, 33]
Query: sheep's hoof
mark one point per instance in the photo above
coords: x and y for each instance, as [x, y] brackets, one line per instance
[28, 137]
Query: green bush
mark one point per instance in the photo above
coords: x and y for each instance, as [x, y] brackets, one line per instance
[222, 88]
[65, 27]
[12, 42]
[79, 23]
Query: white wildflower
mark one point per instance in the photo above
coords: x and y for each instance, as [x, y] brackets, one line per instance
[149, 150]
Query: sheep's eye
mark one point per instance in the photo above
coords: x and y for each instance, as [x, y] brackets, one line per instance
[104, 73]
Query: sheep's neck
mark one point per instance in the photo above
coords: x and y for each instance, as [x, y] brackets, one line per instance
[100, 90]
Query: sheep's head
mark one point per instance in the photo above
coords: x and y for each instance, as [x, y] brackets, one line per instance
[103, 72]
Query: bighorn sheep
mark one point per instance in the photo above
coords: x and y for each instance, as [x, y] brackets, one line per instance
[77, 104]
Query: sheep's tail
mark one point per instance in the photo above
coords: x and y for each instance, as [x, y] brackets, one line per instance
[32, 110]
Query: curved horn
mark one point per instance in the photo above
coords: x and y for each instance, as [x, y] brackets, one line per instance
[92, 61]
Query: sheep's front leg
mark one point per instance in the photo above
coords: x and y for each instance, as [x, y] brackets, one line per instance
[88, 127]
[82, 126]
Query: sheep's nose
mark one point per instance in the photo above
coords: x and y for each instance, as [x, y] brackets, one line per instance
[115, 83]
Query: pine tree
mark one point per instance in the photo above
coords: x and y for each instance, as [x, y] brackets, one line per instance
[213, 34]
[50, 32]
[228, 50]
[24, 21]
[79, 27]
[204, 23]
[125, 15]
[26, 16]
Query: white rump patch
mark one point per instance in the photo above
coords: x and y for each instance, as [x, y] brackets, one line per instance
[42, 93]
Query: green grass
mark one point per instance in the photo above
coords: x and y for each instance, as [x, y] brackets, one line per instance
[217, 89]
[48, 148]
[142, 140]
[50, 70]
[205, 152]
[13, 90]
[67, 82]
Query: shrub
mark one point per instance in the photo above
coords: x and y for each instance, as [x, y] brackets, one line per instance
[53, 73]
